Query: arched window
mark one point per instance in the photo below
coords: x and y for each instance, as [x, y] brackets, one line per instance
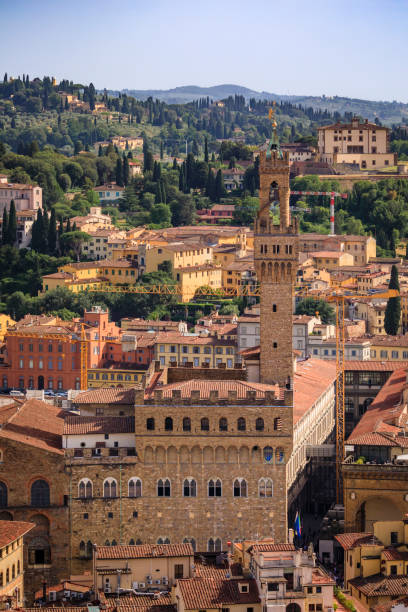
[40, 493]
[114, 543]
[279, 456]
[7, 575]
[189, 488]
[82, 549]
[18, 567]
[138, 542]
[163, 487]
[205, 424]
[259, 424]
[223, 424]
[150, 424]
[89, 549]
[168, 424]
[186, 424]
[13, 572]
[241, 424]
[3, 495]
[276, 423]
[131, 542]
[1, 579]
[265, 487]
[240, 487]
[164, 540]
[109, 487]
[214, 545]
[268, 454]
[190, 541]
[85, 488]
[214, 488]
[135, 487]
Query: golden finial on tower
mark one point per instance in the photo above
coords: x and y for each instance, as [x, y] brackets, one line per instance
[271, 115]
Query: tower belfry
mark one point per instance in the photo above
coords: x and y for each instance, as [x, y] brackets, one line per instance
[276, 261]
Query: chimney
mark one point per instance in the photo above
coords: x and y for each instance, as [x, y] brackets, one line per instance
[232, 395]
[176, 394]
[251, 396]
[195, 395]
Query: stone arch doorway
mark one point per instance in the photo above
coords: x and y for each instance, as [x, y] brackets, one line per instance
[376, 509]
[293, 607]
[41, 382]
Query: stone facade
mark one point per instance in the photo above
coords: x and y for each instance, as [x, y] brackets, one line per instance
[276, 258]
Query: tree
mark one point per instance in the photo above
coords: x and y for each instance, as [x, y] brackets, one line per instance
[206, 150]
[52, 233]
[311, 306]
[219, 186]
[160, 213]
[74, 241]
[393, 309]
[182, 210]
[119, 172]
[125, 170]
[12, 225]
[245, 211]
[4, 227]
[161, 150]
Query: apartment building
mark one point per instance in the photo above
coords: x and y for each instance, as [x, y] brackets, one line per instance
[363, 248]
[372, 312]
[12, 562]
[109, 193]
[201, 351]
[26, 197]
[95, 220]
[363, 144]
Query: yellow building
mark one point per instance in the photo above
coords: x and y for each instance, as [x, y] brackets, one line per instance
[180, 255]
[373, 313]
[331, 260]
[117, 377]
[5, 322]
[207, 351]
[238, 273]
[389, 348]
[12, 562]
[376, 563]
[190, 279]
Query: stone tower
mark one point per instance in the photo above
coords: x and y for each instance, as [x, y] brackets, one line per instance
[276, 262]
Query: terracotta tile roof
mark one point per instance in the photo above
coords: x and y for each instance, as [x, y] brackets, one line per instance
[209, 570]
[37, 424]
[389, 340]
[370, 439]
[393, 554]
[386, 407]
[222, 386]
[380, 585]
[77, 425]
[142, 603]
[352, 540]
[387, 607]
[61, 275]
[312, 379]
[63, 586]
[11, 530]
[108, 395]
[375, 366]
[319, 576]
[144, 551]
[210, 593]
[178, 338]
[272, 547]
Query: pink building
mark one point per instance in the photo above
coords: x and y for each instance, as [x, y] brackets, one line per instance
[26, 197]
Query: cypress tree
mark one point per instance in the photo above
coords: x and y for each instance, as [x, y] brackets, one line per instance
[219, 186]
[12, 225]
[74, 227]
[206, 150]
[4, 227]
[100, 151]
[163, 191]
[46, 227]
[52, 233]
[210, 186]
[175, 165]
[181, 178]
[159, 197]
[161, 150]
[68, 228]
[393, 309]
[119, 173]
[125, 170]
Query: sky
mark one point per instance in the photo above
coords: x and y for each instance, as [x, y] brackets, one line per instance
[354, 48]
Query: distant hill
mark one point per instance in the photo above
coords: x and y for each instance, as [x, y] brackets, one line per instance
[387, 112]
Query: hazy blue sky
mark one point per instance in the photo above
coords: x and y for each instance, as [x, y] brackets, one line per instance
[355, 48]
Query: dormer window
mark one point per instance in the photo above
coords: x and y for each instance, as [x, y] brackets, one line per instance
[243, 587]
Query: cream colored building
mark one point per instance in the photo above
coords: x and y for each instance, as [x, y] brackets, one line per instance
[26, 197]
[364, 144]
[363, 248]
[12, 562]
[331, 260]
[141, 567]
